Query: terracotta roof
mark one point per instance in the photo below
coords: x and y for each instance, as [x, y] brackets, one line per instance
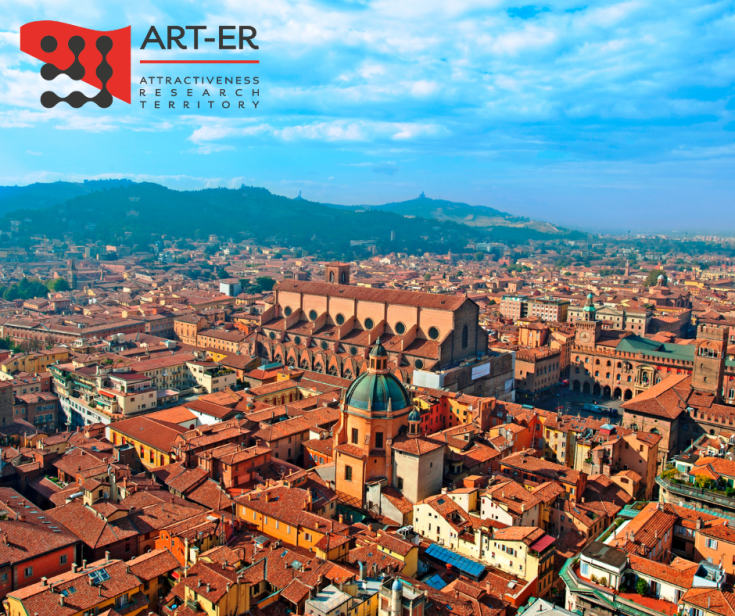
[403, 298]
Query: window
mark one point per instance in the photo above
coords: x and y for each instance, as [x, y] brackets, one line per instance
[585, 569]
[711, 543]
[355, 436]
[340, 318]
[62, 559]
[348, 473]
[378, 440]
[369, 323]
[400, 328]
[433, 333]
[465, 336]
[287, 311]
[28, 572]
[312, 315]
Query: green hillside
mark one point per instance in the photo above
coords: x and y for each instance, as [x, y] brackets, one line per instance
[140, 213]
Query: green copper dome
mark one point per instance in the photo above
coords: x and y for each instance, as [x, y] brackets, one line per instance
[414, 416]
[380, 389]
[378, 350]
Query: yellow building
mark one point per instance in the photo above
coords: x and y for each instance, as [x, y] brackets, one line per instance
[525, 551]
[278, 513]
[393, 545]
[215, 589]
[151, 439]
[151, 569]
[34, 362]
[102, 585]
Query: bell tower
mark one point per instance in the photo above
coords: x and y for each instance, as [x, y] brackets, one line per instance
[337, 273]
[71, 274]
[709, 359]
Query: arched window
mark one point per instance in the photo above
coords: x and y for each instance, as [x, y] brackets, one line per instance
[465, 336]
[609, 363]
[331, 276]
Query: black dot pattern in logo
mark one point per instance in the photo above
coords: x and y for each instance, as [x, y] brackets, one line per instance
[76, 72]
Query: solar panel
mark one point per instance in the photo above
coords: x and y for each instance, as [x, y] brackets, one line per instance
[99, 576]
[435, 582]
[464, 565]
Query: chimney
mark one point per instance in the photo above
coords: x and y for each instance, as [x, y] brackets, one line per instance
[107, 556]
[74, 567]
[84, 564]
[61, 600]
[44, 581]
[208, 588]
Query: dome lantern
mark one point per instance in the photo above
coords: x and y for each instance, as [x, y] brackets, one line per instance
[377, 390]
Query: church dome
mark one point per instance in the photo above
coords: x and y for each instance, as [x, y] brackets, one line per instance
[374, 392]
[414, 416]
[377, 389]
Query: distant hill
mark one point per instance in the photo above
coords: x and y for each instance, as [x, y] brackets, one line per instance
[463, 213]
[140, 213]
[45, 194]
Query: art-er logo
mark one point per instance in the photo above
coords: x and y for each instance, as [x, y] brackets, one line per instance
[101, 59]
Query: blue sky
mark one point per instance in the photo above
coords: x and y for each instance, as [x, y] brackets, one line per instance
[610, 115]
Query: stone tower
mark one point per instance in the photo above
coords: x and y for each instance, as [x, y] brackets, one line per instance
[709, 359]
[337, 273]
[71, 274]
[589, 328]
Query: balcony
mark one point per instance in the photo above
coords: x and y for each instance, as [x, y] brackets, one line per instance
[607, 598]
[712, 497]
